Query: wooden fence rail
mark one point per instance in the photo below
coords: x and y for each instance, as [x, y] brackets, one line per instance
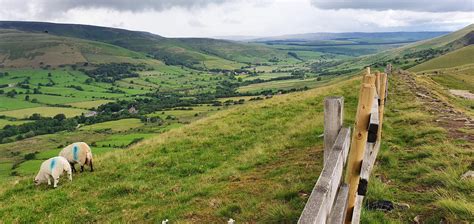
[332, 200]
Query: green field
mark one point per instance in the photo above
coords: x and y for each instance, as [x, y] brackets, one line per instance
[44, 111]
[4, 122]
[89, 104]
[7, 103]
[120, 125]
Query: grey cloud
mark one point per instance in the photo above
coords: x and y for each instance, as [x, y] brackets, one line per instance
[196, 23]
[410, 5]
[133, 5]
[54, 7]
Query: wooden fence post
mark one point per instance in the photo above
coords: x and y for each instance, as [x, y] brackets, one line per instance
[321, 201]
[377, 81]
[359, 139]
[333, 117]
[382, 96]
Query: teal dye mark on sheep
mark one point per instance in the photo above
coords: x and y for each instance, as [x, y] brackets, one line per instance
[52, 164]
[75, 153]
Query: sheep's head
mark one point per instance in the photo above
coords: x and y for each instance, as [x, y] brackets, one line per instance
[38, 180]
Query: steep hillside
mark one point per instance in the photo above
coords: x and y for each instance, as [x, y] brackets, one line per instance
[460, 57]
[258, 163]
[191, 52]
[22, 49]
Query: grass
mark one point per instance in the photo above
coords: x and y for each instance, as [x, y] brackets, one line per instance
[119, 125]
[224, 153]
[456, 58]
[277, 85]
[258, 162]
[89, 104]
[118, 140]
[417, 164]
[7, 103]
[4, 122]
[44, 111]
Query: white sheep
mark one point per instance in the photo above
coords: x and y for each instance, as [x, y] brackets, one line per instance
[53, 168]
[78, 152]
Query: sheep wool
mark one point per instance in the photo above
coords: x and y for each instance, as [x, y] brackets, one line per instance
[78, 152]
[53, 168]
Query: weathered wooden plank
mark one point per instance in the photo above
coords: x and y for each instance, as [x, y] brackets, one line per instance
[359, 140]
[324, 192]
[368, 163]
[338, 211]
[388, 69]
[333, 117]
[373, 127]
[357, 209]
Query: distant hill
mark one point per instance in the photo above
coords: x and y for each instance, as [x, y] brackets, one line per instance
[416, 53]
[355, 38]
[191, 52]
[22, 49]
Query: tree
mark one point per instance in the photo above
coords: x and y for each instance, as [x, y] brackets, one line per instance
[12, 93]
[35, 116]
[27, 97]
[59, 117]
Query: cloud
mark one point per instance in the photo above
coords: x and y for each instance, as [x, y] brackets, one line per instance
[134, 5]
[196, 23]
[409, 5]
[55, 8]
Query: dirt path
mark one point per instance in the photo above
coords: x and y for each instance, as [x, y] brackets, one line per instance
[447, 116]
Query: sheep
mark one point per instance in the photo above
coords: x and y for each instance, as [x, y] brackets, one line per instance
[78, 152]
[53, 168]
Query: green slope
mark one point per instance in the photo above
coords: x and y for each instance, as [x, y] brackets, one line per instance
[412, 54]
[192, 52]
[23, 49]
[256, 163]
[460, 57]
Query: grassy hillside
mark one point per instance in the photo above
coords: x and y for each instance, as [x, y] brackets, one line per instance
[21, 49]
[177, 51]
[456, 58]
[258, 162]
[412, 54]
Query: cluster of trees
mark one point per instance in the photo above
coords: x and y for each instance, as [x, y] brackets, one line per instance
[78, 88]
[40, 126]
[115, 71]
[294, 55]
[427, 54]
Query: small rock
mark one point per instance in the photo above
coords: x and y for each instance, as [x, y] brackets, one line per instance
[468, 175]
[402, 206]
[416, 220]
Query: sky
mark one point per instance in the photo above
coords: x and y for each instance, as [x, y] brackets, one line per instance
[255, 18]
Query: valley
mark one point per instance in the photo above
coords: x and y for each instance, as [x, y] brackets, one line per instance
[203, 130]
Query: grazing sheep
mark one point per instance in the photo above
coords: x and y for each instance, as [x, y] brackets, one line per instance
[53, 168]
[78, 152]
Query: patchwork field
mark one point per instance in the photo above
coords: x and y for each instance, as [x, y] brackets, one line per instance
[43, 111]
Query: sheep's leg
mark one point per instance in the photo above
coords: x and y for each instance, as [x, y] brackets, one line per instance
[82, 168]
[56, 180]
[69, 174]
[49, 180]
[73, 168]
[92, 167]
